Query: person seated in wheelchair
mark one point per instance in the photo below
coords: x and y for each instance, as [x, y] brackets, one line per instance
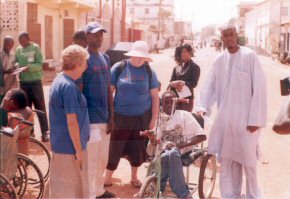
[178, 134]
[15, 103]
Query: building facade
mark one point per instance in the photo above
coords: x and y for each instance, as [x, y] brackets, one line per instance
[154, 19]
[267, 26]
[51, 23]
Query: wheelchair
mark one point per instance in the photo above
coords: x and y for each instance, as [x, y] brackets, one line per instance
[6, 188]
[206, 177]
[20, 176]
[38, 152]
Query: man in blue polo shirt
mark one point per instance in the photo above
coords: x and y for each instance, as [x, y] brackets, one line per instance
[96, 88]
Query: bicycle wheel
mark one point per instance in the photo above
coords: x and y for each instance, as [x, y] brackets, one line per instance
[207, 176]
[35, 181]
[149, 188]
[40, 155]
[6, 189]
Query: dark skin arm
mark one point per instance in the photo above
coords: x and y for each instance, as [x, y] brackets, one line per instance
[111, 124]
[282, 124]
[195, 140]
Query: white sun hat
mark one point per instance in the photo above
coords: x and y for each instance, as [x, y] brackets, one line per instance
[139, 49]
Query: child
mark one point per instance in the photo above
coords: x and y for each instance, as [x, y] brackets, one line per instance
[15, 103]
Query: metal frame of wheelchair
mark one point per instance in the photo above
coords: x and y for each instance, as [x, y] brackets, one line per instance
[206, 179]
[28, 180]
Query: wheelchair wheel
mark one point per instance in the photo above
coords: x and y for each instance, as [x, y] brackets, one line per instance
[19, 181]
[6, 189]
[207, 176]
[40, 155]
[35, 182]
[149, 188]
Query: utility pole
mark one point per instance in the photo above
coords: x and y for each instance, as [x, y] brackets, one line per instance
[132, 26]
[1, 1]
[159, 26]
[280, 30]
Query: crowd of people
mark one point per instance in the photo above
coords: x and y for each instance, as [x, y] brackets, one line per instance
[97, 111]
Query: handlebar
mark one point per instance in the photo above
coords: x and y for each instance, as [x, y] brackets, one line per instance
[147, 132]
[38, 111]
[23, 121]
[178, 100]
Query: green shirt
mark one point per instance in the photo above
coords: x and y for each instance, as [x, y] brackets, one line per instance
[32, 58]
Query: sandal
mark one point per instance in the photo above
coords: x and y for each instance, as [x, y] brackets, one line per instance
[108, 184]
[136, 184]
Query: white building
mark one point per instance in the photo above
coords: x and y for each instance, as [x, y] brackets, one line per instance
[266, 25]
[52, 23]
[147, 13]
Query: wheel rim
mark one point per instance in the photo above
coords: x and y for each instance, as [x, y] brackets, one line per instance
[40, 155]
[35, 181]
[209, 177]
[20, 180]
[6, 189]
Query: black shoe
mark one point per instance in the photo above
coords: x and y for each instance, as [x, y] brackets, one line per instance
[45, 137]
[107, 194]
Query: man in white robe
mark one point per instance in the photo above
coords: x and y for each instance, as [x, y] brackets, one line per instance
[237, 83]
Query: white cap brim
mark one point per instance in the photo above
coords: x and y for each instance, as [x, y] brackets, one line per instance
[135, 53]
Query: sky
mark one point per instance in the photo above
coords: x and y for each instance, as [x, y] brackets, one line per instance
[205, 12]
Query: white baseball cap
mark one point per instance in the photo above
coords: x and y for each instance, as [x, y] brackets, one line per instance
[139, 49]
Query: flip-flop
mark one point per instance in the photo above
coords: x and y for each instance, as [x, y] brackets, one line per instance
[136, 184]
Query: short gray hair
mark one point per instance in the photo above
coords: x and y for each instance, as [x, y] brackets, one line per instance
[73, 56]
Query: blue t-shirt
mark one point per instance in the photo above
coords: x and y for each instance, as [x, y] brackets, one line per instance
[66, 98]
[132, 89]
[96, 81]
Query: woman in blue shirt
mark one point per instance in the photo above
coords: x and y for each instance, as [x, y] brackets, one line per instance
[69, 128]
[136, 106]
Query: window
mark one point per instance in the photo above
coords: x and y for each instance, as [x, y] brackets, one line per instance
[146, 10]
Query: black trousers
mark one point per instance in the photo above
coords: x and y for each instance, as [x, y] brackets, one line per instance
[126, 140]
[35, 96]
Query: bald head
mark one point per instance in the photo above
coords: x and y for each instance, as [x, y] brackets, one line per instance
[8, 43]
[79, 38]
[167, 101]
[24, 39]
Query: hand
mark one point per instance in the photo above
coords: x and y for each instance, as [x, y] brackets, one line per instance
[79, 159]
[177, 84]
[169, 145]
[111, 125]
[152, 124]
[252, 129]
[26, 69]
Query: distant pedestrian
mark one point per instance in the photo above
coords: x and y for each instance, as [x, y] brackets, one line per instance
[70, 128]
[29, 56]
[136, 105]
[79, 38]
[185, 74]
[7, 58]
